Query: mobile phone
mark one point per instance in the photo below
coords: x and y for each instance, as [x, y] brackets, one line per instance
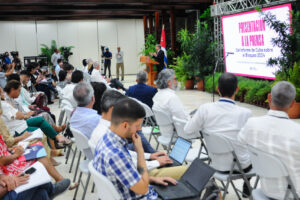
[30, 170]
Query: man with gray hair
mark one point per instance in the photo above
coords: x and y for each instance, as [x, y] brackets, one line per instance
[276, 134]
[141, 91]
[96, 74]
[84, 118]
[167, 101]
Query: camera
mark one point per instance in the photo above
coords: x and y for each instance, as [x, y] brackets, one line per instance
[67, 53]
[14, 54]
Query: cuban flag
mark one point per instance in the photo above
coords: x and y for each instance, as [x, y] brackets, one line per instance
[164, 46]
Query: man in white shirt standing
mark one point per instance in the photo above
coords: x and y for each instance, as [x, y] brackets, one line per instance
[276, 134]
[154, 160]
[96, 75]
[225, 118]
[167, 101]
[55, 56]
[120, 63]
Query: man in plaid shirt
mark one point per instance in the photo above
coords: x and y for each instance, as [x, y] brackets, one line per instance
[112, 157]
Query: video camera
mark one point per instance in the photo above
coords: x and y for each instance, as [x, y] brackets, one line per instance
[67, 53]
[14, 54]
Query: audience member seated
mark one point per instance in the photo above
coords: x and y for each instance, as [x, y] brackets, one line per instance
[12, 163]
[96, 75]
[18, 123]
[225, 118]
[67, 92]
[141, 91]
[158, 159]
[84, 117]
[62, 75]
[113, 96]
[6, 70]
[35, 78]
[85, 66]
[167, 101]
[276, 134]
[13, 89]
[42, 192]
[99, 89]
[90, 65]
[59, 66]
[69, 69]
[112, 158]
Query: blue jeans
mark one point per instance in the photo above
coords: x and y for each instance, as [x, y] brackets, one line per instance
[41, 192]
[146, 145]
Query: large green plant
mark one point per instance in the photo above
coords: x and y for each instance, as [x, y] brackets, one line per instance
[288, 41]
[149, 46]
[49, 50]
[202, 50]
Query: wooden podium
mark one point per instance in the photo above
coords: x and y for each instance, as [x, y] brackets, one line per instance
[151, 74]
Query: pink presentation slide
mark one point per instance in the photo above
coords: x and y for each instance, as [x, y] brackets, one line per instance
[248, 42]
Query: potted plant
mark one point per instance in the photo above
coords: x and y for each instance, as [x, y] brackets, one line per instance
[48, 51]
[185, 39]
[289, 61]
[202, 52]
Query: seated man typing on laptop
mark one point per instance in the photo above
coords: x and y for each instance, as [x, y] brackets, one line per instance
[154, 160]
[112, 158]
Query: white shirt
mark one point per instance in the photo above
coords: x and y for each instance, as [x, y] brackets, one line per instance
[54, 58]
[166, 100]
[67, 93]
[276, 134]
[226, 118]
[102, 128]
[9, 118]
[57, 69]
[119, 57]
[97, 77]
[85, 69]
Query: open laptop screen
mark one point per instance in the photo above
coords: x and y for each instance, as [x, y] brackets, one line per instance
[180, 150]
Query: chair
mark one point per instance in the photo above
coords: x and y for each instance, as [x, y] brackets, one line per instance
[82, 145]
[218, 145]
[92, 146]
[163, 119]
[269, 166]
[105, 188]
[149, 123]
[193, 152]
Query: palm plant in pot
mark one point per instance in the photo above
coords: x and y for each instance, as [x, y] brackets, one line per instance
[202, 53]
[184, 63]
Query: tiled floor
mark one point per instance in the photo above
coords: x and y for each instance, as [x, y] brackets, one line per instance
[191, 99]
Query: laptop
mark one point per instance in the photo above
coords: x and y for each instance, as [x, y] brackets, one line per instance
[191, 183]
[179, 152]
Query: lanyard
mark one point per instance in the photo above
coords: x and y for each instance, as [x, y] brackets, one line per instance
[227, 101]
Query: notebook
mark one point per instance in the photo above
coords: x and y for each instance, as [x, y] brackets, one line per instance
[37, 134]
[33, 151]
[39, 177]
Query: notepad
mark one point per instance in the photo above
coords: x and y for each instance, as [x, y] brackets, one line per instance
[39, 177]
[33, 151]
[37, 134]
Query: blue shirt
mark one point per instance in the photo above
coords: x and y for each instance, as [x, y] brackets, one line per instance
[142, 92]
[8, 60]
[107, 55]
[112, 159]
[85, 120]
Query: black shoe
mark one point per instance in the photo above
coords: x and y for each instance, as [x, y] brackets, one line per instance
[122, 79]
[50, 102]
[246, 192]
[60, 187]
